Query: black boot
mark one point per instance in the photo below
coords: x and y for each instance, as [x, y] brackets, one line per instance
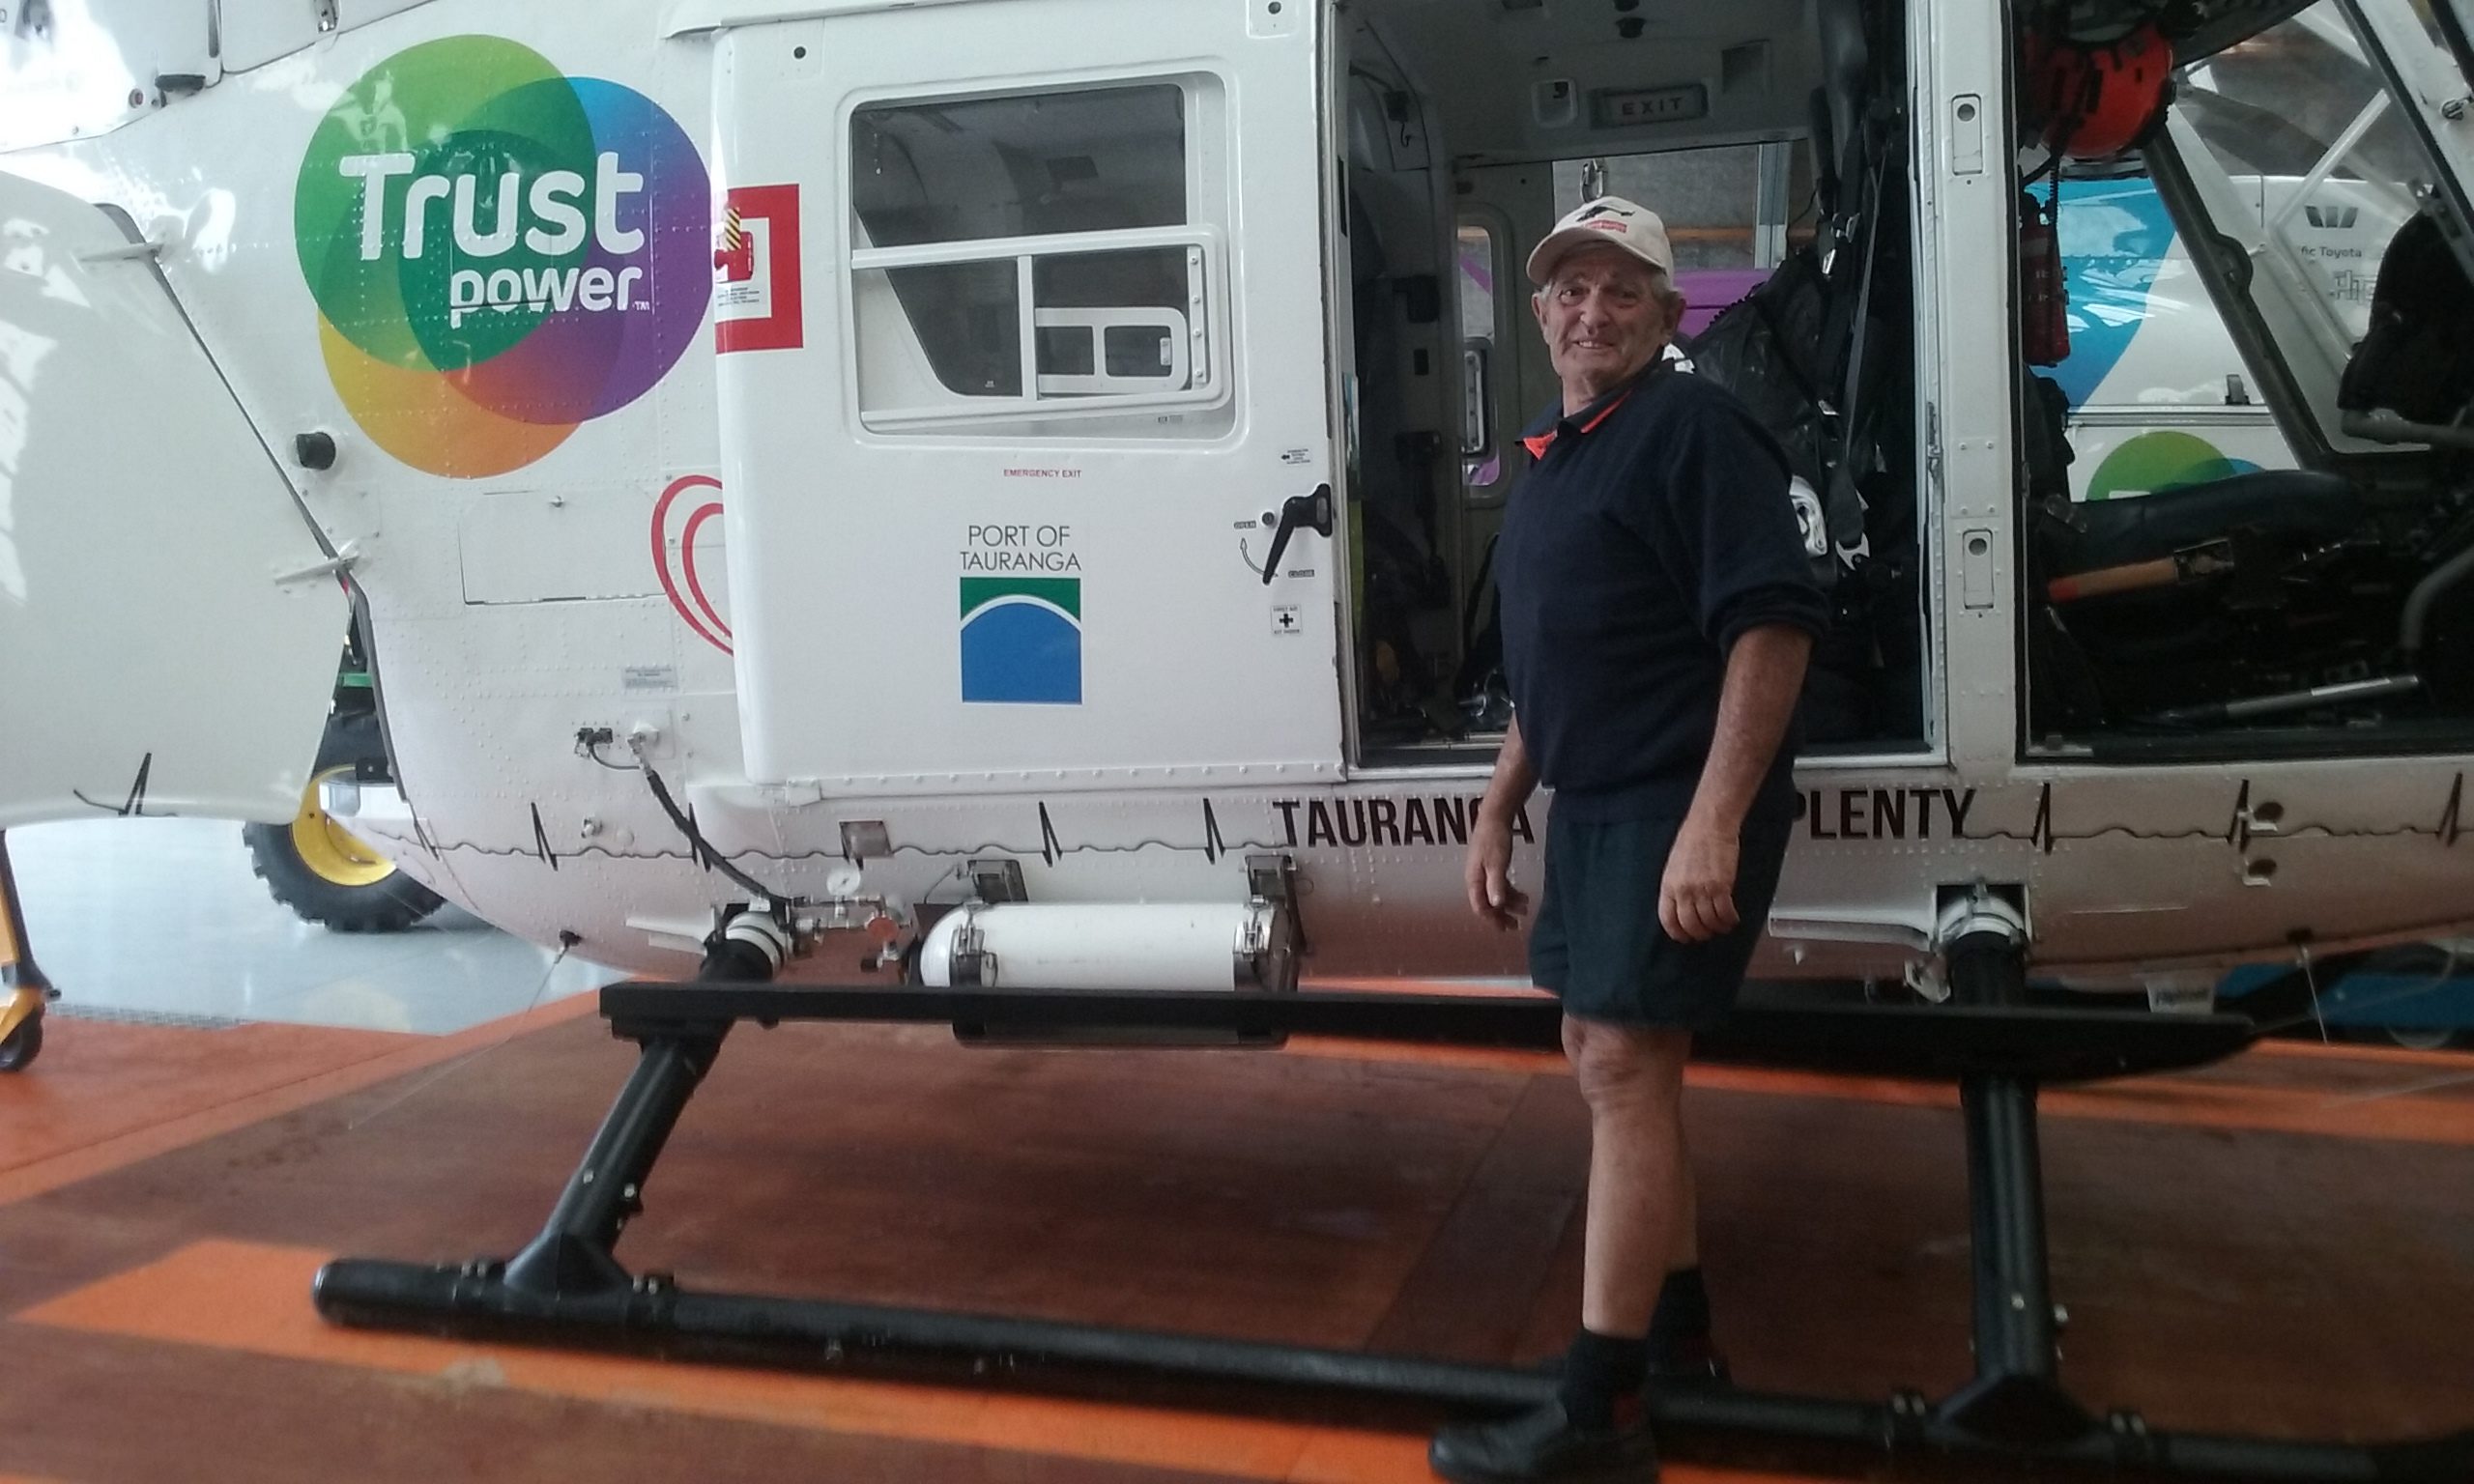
[1680, 1350]
[1680, 1347]
[1545, 1444]
[1594, 1430]
[1686, 1360]
[1672, 1362]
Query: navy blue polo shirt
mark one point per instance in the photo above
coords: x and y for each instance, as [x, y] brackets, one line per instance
[1651, 528]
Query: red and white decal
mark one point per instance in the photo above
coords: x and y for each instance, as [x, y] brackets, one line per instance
[677, 525]
[756, 271]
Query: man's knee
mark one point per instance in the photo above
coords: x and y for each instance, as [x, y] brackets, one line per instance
[1626, 1063]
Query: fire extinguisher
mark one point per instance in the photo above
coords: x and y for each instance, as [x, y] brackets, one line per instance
[2044, 294]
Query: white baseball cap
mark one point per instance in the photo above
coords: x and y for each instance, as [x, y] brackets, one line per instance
[1611, 219]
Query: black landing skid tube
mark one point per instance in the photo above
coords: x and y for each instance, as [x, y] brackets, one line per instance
[568, 1288]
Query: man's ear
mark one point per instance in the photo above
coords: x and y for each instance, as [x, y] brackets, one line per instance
[1537, 309]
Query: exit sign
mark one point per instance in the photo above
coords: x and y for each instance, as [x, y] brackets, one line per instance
[1625, 108]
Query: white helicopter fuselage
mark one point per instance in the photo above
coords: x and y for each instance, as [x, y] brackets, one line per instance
[642, 452]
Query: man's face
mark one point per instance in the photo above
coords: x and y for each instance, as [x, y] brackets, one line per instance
[1605, 317]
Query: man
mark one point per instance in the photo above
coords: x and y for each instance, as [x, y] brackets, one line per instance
[1658, 612]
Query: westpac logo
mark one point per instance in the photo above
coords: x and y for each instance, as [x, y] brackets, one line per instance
[500, 253]
[2335, 218]
[1022, 640]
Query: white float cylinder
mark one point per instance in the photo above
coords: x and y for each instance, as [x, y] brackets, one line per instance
[1205, 945]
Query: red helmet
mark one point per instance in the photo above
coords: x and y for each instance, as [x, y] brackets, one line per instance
[2090, 100]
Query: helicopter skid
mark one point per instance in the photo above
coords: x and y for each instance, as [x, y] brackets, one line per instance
[568, 1288]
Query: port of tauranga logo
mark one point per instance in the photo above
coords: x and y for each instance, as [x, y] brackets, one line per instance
[499, 253]
[1022, 639]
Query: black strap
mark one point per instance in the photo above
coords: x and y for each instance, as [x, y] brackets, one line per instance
[1477, 592]
[1760, 300]
[1845, 498]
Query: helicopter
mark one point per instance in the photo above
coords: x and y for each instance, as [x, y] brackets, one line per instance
[880, 574]
[997, 494]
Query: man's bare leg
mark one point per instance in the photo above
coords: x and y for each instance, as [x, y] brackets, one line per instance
[1640, 1186]
[1639, 1201]
[1680, 1347]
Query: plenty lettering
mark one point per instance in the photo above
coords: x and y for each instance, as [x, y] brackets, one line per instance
[1886, 813]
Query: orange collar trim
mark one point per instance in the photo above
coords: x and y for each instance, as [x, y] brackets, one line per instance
[1539, 443]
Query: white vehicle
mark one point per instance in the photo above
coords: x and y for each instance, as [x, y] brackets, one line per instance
[993, 492]
[2159, 398]
[2158, 395]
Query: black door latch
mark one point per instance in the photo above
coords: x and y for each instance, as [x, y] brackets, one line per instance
[1313, 511]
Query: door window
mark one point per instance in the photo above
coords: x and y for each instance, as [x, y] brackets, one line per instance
[2315, 145]
[2300, 151]
[1482, 460]
[2144, 334]
[1028, 261]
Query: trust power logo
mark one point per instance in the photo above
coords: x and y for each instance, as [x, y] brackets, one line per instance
[499, 253]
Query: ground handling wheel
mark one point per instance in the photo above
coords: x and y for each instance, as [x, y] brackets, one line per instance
[19, 1050]
[321, 869]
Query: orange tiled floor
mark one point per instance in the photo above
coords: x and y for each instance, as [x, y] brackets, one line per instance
[2281, 1243]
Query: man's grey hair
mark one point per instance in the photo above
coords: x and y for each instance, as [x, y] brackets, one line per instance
[1661, 282]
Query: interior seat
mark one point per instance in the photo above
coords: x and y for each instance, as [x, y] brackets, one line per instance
[2418, 358]
[2291, 505]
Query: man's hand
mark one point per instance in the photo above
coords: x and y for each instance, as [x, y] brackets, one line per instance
[1697, 898]
[1764, 675]
[1489, 874]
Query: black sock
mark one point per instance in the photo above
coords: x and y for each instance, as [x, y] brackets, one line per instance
[1682, 1314]
[1598, 1369]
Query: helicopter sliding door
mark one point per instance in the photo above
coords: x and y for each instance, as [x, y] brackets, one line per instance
[1022, 379]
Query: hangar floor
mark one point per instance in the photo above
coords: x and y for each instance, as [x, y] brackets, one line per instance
[2279, 1245]
[160, 919]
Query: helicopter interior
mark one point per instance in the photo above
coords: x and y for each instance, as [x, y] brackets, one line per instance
[1471, 126]
[2224, 613]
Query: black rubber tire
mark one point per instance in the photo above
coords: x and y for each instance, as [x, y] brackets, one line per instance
[389, 905]
[23, 1046]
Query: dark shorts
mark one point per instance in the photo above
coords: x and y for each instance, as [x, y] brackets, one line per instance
[1598, 944]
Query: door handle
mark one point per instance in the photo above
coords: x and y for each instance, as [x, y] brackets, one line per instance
[1313, 511]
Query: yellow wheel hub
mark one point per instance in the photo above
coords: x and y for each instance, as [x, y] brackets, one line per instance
[327, 848]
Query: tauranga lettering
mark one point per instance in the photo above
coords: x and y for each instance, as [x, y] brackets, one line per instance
[1439, 819]
[1022, 562]
[1886, 813]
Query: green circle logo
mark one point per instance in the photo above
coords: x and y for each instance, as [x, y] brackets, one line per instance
[2162, 460]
